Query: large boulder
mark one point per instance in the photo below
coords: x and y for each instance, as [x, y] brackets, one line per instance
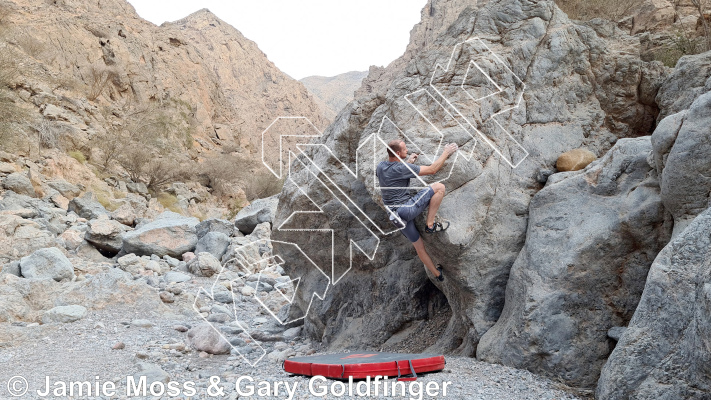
[47, 263]
[260, 210]
[214, 225]
[170, 234]
[87, 207]
[106, 235]
[665, 352]
[590, 241]
[682, 151]
[215, 243]
[19, 183]
[585, 87]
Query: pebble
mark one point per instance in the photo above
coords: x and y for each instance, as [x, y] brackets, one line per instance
[167, 297]
[118, 346]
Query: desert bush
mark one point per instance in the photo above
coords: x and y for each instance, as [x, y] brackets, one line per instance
[5, 11]
[682, 43]
[613, 10]
[701, 6]
[31, 45]
[262, 185]
[170, 202]
[223, 171]
[160, 172]
[134, 159]
[12, 116]
[48, 134]
[77, 155]
[99, 78]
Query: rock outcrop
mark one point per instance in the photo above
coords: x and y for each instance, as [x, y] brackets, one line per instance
[664, 353]
[681, 141]
[590, 240]
[585, 87]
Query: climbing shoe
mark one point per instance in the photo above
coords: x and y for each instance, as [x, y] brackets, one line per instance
[437, 227]
[441, 275]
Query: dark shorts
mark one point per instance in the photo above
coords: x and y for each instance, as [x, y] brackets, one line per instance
[414, 207]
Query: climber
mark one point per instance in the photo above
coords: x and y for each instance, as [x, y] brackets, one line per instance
[394, 177]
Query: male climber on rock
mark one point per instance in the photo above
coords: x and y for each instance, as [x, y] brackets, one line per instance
[394, 176]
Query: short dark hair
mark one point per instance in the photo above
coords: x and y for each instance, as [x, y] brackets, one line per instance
[394, 146]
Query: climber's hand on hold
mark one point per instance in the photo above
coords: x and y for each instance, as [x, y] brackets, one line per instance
[450, 148]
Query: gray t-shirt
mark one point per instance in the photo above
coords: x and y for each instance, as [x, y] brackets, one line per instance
[396, 176]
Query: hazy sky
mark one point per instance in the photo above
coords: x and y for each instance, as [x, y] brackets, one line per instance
[308, 37]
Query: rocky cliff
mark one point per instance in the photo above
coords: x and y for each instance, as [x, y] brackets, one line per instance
[334, 91]
[544, 269]
[94, 78]
[223, 80]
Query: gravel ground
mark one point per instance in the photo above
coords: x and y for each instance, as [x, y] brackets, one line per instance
[111, 344]
[82, 350]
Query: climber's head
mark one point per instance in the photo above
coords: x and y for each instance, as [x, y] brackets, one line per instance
[397, 148]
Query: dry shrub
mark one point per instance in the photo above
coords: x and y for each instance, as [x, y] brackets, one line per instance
[48, 134]
[5, 11]
[613, 10]
[30, 45]
[77, 155]
[224, 171]
[701, 6]
[161, 172]
[99, 78]
[12, 116]
[170, 202]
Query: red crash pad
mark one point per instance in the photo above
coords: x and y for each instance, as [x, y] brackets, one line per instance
[363, 364]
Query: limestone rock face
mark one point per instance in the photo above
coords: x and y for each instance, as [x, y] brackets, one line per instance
[664, 353]
[170, 234]
[609, 94]
[215, 243]
[681, 142]
[214, 225]
[590, 241]
[690, 79]
[574, 160]
[436, 18]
